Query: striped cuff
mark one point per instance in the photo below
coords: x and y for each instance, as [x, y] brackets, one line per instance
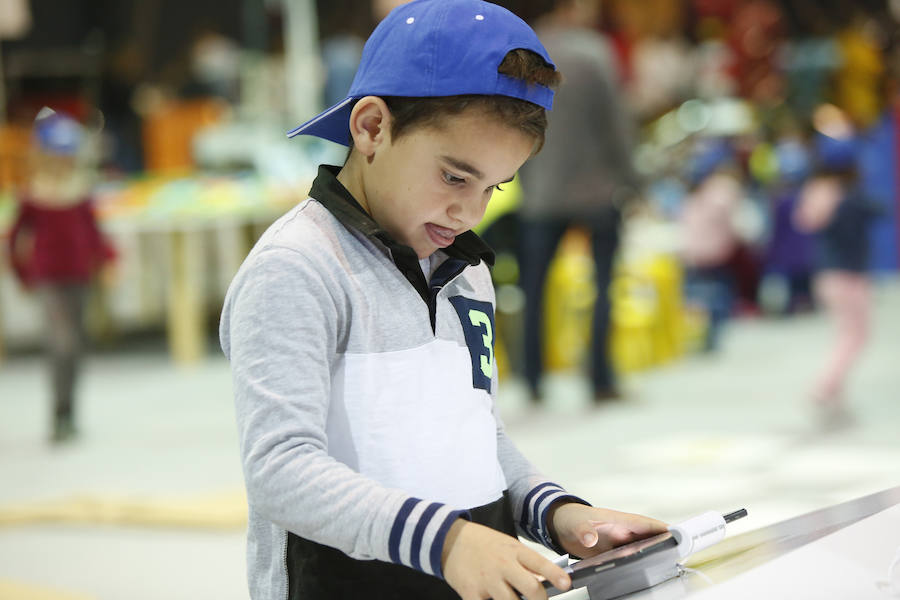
[534, 513]
[418, 533]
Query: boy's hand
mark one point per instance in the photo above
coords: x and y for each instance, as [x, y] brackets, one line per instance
[585, 531]
[480, 563]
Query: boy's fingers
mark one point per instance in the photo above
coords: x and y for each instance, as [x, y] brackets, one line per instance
[637, 523]
[502, 591]
[536, 563]
[648, 525]
[588, 533]
[527, 585]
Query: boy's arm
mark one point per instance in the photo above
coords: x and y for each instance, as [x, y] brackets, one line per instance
[560, 521]
[532, 495]
[530, 492]
[280, 329]
[547, 514]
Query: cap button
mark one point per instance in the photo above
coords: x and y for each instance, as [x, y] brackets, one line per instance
[479, 17]
[410, 20]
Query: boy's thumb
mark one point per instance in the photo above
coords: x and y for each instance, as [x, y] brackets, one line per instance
[588, 536]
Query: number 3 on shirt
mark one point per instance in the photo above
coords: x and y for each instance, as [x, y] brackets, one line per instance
[477, 319]
[480, 319]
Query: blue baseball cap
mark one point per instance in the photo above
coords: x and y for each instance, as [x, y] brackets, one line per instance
[57, 133]
[433, 48]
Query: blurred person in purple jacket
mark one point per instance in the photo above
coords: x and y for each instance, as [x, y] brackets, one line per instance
[787, 282]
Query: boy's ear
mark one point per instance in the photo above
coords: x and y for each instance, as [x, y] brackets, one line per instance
[370, 124]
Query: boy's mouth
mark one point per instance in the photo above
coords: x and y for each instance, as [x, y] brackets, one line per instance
[441, 236]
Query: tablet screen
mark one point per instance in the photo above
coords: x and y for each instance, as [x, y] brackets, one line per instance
[621, 555]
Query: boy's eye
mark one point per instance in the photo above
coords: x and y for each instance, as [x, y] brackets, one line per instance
[452, 179]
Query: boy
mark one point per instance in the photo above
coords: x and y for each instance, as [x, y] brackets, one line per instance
[360, 333]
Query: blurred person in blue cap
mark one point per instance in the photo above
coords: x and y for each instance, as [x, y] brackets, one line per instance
[56, 248]
[360, 331]
[787, 281]
[833, 208]
[709, 235]
[583, 177]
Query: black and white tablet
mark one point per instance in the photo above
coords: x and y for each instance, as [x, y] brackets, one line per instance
[625, 568]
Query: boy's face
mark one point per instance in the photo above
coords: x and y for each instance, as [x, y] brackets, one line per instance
[434, 183]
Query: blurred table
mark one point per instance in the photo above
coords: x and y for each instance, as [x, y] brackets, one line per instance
[842, 552]
[180, 239]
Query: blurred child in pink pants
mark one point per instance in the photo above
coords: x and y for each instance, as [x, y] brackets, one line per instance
[833, 208]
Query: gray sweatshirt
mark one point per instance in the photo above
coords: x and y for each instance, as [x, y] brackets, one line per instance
[365, 395]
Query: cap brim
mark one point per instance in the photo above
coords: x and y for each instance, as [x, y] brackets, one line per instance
[332, 124]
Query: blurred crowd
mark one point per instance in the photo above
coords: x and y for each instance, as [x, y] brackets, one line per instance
[762, 131]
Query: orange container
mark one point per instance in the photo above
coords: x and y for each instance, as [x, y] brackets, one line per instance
[168, 132]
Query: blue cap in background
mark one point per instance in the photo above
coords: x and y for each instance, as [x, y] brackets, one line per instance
[794, 161]
[708, 156]
[57, 133]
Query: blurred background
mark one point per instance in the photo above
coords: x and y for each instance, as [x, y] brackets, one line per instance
[750, 304]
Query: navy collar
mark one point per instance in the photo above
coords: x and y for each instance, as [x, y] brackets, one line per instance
[329, 192]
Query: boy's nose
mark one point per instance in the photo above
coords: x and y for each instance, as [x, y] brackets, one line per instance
[468, 211]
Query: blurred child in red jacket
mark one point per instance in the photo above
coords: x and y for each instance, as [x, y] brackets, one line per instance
[56, 248]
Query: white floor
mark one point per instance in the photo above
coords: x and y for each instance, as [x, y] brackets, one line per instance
[717, 433]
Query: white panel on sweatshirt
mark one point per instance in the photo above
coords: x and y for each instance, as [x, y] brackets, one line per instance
[409, 421]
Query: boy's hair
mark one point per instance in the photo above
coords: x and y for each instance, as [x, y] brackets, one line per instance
[527, 117]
